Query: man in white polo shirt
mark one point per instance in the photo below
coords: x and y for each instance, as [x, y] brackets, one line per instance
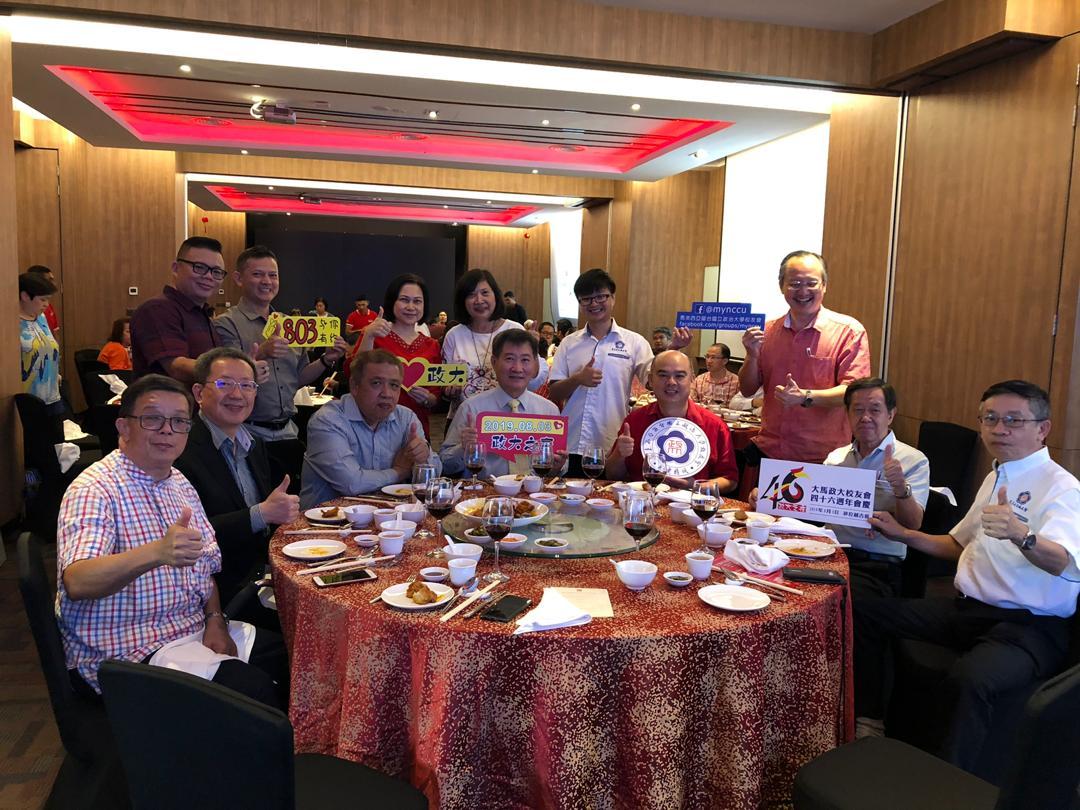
[595, 366]
[1017, 551]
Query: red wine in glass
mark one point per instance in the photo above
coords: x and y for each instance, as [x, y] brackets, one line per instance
[653, 477]
[497, 531]
[542, 470]
[420, 492]
[440, 510]
[637, 530]
[594, 471]
[704, 510]
[475, 467]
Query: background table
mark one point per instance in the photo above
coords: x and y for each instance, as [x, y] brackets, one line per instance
[671, 703]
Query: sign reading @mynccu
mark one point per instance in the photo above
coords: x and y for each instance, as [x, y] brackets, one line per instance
[512, 434]
[828, 494]
[717, 315]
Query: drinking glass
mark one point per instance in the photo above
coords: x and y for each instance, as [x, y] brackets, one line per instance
[639, 516]
[475, 459]
[498, 521]
[653, 469]
[543, 459]
[705, 500]
[592, 462]
[440, 501]
[421, 475]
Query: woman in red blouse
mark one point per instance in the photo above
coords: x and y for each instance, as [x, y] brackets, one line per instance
[395, 331]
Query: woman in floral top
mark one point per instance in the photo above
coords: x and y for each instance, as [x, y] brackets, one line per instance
[40, 351]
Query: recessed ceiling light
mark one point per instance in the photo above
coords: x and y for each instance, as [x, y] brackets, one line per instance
[271, 188]
[256, 85]
[243, 151]
[489, 202]
[545, 122]
[446, 206]
[635, 106]
[536, 171]
[433, 114]
[185, 68]
[288, 213]
[453, 223]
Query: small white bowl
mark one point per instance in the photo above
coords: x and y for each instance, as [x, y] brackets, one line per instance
[513, 541]
[572, 500]
[579, 486]
[383, 515]
[411, 511]
[391, 542]
[601, 504]
[715, 535]
[360, 515]
[406, 527]
[636, 575]
[507, 486]
[543, 497]
[462, 551]
[689, 518]
[434, 574]
[554, 545]
[532, 483]
[366, 540]
[678, 579]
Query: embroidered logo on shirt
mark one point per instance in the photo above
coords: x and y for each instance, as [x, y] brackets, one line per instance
[619, 344]
[1023, 498]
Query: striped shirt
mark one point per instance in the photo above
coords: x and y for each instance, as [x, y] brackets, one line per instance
[705, 391]
[114, 507]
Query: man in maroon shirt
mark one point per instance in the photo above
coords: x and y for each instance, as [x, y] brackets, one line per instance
[671, 377]
[170, 331]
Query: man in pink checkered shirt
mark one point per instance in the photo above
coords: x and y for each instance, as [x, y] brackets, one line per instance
[136, 555]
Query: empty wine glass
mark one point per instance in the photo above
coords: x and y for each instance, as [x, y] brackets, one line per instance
[498, 521]
[421, 475]
[592, 462]
[639, 516]
[475, 459]
[440, 501]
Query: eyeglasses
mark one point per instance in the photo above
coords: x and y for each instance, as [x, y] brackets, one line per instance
[991, 420]
[200, 269]
[247, 386]
[800, 285]
[602, 298]
[155, 422]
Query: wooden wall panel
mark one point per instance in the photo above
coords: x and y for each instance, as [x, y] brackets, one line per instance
[502, 251]
[595, 233]
[537, 255]
[10, 376]
[229, 228]
[859, 195]
[622, 211]
[981, 228]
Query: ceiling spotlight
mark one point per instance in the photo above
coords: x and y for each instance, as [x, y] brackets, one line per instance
[256, 85]
[536, 171]
[454, 224]
[489, 202]
[432, 114]
[446, 206]
[270, 188]
[699, 154]
[288, 213]
[243, 151]
[635, 106]
[185, 68]
[545, 122]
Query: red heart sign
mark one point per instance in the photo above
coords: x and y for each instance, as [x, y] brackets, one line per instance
[414, 371]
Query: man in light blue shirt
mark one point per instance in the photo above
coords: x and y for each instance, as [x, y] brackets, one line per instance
[363, 442]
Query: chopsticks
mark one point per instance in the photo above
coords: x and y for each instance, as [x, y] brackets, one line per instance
[764, 583]
[360, 499]
[468, 601]
[353, 561]
[327, 530]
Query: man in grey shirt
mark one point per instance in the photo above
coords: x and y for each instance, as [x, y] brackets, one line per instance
[364, 441]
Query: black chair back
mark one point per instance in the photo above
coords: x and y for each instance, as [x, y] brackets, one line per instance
[206, 746]
[950, 449]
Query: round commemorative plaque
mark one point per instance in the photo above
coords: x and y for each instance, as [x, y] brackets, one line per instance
[681, 444]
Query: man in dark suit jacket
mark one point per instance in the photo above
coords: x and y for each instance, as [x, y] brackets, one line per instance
[230, 468]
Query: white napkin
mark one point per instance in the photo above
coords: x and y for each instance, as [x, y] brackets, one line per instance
[948, 493]
[67, 454]
[752, 557]
[72, 431]
[680, 495]
[302, 396]
[189, 654]
[116, 385]
[554, 611]
[788, 525]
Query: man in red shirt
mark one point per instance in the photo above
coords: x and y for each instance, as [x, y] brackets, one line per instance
[671, 377]
[360, 317]
[805, 361]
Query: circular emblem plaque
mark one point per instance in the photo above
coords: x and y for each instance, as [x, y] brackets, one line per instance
[681, 444]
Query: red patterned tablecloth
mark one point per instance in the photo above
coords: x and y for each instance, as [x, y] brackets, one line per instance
[671, 703]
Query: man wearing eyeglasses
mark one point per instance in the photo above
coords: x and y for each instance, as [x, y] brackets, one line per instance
[230, 468]
[170, 331]
[136, 558]
[804, 361]
[1016, 551]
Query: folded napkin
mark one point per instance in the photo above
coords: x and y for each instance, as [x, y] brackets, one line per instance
[190, 655]
[680, 495]
[752, 557]
[67, 454]
[554, 611]
[302, 396]
[72, 432]
[788, 525]
[116, 385]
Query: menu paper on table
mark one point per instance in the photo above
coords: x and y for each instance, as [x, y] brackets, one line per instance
[594, 601]
[718, 315]
[303, 331]
[511, 434]
[819, 492]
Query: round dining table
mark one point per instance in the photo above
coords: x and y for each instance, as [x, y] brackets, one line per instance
[670, 703]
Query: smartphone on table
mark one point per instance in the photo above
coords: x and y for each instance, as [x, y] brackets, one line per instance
[506, 609]
[330, 578]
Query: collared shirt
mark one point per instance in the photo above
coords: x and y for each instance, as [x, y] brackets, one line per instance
[346, 456]
[360, 322]
[235, 453]
[453, 454]
[239, 328]
[721, 461]
[705, 391]
[831, 351]
[111, 508]
[1044, 496]
[40, 360]
[462, 345]
[594, 414]
[916, 469]
[168, 327]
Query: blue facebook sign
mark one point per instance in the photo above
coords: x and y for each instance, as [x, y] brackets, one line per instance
[716, 315]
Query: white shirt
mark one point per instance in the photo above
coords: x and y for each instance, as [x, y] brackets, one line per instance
[495, 399]
[1046, 497]
[595, 414]
[462, 345]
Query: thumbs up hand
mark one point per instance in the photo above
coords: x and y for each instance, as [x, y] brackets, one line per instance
[624, 444]
[589, 376]
[181, 546]
[380, 327]
[894, 473]
[280, 507]
[273, 348]
[262, 367]
[999, 520]
[416, 445]
[790, 394]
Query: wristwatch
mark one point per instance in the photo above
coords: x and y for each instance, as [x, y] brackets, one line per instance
[905, 494]
[322, 357]
[808, 399]
[220, 613]
[1027, 543]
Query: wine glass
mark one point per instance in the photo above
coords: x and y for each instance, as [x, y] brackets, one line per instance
[421, 475]
[543, 459]
[440, 501]
[639, 516]
[498, 521]
[653, 469]
[592, 462]
[475, 459]
[705, 500]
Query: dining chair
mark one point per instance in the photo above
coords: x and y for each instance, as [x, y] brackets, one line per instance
[879, 772]
[90, 775]
[209, 747]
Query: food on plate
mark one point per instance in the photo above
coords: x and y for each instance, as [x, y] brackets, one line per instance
[478, 531]
[421, 594]
[332, 512]
[317, 551]
[679, 577]
[801, 551]
[550, 543]
[522, 508]
[740, 515]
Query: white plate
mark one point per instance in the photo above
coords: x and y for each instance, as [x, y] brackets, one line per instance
[749, 516]
[461, 506]
[806, 549]
[395, 596]
[311, 550]
[398, 490]
[643, 486]
[727, 597]
[315, 516]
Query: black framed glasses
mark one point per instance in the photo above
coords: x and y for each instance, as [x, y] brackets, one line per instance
[227, 385]
[599, 298]
[154, 421]
[992, 419]
[200, 269]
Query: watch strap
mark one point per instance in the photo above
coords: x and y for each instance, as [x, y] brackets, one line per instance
[1028, 542]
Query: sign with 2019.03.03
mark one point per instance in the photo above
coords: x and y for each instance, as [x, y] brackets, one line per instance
[819, 492]
[512, 434]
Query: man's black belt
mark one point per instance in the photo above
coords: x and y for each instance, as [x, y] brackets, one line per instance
[279, 425]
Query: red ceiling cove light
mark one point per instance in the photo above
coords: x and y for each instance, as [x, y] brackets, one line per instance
[241, 200]
[203, 122]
